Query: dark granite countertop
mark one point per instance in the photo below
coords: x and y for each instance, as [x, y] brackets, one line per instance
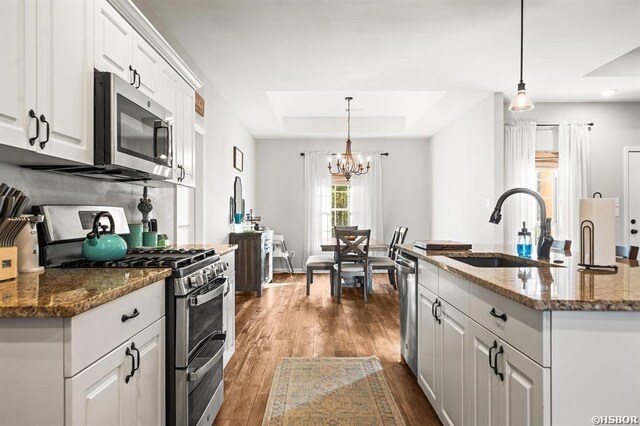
[546, 285]
[63, 292]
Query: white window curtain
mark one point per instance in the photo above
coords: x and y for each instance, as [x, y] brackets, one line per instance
[573, 177]
[366, 197]
[317, 201]
[520, 172]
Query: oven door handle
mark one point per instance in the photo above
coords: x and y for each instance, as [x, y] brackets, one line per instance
[204, 298]
[198, 373]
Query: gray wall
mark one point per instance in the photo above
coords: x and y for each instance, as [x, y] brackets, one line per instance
[465, 163]
[280, 190]
[617, 124]
[223, 131]
[53, 188]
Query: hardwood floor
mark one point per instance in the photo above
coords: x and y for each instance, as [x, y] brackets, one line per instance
[285, 322]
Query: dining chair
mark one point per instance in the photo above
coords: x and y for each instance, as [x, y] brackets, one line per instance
[402, 235]
[320, 263]
[352, 256]
[627, 252]
[345, 228]
[379, 263]
[561, 245]
[388, 262]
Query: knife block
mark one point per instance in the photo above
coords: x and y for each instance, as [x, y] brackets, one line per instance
[8, 263]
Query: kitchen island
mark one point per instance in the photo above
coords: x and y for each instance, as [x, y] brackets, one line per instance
[541, 343]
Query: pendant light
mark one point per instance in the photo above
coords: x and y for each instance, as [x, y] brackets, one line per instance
[346, 164]
[521, 101]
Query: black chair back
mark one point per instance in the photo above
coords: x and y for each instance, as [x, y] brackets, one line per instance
[402, 234]
[561, 244]
[627, 252]
[353, 245]
[394, 241]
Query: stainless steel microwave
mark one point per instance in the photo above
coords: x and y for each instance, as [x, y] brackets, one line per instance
[132, 132]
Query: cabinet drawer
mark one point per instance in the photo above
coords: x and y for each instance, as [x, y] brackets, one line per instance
[454, 290]
[428, 275]
[94, 333]
[525, 329]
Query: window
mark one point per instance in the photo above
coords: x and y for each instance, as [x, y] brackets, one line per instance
[340, 202]
[547, 185]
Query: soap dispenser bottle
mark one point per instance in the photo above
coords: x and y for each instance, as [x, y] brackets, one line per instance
[525, 247]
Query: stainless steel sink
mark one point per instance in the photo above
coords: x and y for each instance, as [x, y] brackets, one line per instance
[499, 262]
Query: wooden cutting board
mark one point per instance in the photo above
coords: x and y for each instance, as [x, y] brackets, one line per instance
[441, 245]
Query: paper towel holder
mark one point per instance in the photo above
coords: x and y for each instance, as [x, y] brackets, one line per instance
[587, 227]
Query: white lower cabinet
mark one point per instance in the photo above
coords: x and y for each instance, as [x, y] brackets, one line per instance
[507, 387]
[52, 374]
[443, 357]
[470, 375]
[455, 360]
[523, 389]
[484, 384]
[428, 347]
[99, 395]
[125, 387]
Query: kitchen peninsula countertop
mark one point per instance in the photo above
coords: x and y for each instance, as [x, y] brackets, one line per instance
[548, 287]
[63, 292]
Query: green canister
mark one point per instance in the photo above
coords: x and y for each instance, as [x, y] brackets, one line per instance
[135, 235]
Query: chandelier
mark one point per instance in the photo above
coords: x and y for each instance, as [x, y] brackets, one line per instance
[345, 163]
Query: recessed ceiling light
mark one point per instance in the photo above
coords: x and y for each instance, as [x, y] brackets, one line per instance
[609, 92]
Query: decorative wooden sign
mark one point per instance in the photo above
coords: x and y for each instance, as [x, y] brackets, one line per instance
[199, 104]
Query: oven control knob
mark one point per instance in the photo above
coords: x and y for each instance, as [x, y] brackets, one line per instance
[195, 280]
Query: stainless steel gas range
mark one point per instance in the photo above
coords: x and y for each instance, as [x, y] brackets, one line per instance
[194, 307]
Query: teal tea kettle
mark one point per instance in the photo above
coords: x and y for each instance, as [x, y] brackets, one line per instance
[102, 245]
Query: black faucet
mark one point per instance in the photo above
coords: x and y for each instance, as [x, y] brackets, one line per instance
[546, 240]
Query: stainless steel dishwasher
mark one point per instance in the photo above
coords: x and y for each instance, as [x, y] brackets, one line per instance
[407, 268]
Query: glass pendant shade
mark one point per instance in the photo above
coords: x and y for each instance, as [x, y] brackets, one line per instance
[521, 101]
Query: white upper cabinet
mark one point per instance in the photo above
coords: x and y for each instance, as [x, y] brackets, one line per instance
[184, 135]
[168, 89]
[64, 80]
[148, 68]
[17, 72]
[58, 89]
[119, 49]
[113, 42]
[188, 99]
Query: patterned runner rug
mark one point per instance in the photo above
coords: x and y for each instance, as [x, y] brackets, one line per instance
[330, 391]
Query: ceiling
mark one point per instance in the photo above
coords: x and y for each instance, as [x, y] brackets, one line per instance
[285, 66]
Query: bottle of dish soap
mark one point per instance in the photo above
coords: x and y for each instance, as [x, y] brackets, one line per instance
[525, 247]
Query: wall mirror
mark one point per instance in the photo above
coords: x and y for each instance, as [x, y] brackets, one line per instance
[237, 195]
